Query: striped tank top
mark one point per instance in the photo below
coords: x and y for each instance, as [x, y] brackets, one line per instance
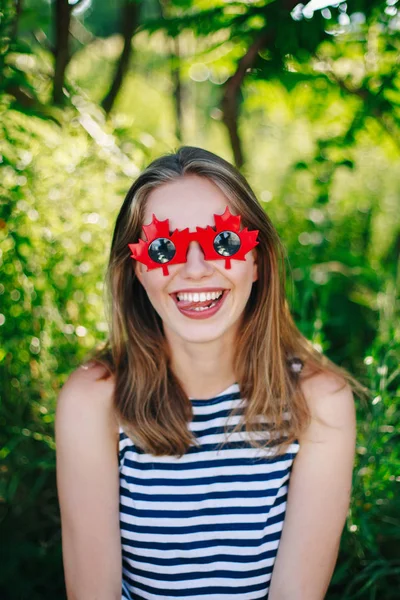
[207, 525]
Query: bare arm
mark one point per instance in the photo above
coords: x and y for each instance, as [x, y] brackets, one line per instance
[88, 487]
[319, 494]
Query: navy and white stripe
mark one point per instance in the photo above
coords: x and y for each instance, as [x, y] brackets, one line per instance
[205, 526]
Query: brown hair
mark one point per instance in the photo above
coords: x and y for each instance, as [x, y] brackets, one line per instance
[149, 400]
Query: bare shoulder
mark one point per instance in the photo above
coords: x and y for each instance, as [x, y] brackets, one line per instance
[319, 491]
[90, 377]
[330, 400]
[88, 484]
[87, 396]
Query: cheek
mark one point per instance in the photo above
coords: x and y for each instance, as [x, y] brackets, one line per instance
[149, 286]
[154, 286]
[242, 271]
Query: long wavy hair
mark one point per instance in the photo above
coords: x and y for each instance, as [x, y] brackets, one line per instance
[149, 400]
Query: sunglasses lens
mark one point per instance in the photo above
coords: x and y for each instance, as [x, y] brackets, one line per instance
[162, 250]
[227, 243]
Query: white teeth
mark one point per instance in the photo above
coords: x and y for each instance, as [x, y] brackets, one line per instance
[199, 297]
[200, 308]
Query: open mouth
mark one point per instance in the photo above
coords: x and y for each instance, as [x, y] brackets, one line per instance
[200, 306]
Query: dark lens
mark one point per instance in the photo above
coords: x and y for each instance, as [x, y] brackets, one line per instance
[227, 243]
[161, 250]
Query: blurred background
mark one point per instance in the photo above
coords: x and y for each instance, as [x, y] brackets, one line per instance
[305, 100]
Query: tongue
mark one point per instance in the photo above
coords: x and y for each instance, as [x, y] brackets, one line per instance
[186, 304]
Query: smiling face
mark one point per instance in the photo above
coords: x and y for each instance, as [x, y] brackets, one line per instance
[191, 201]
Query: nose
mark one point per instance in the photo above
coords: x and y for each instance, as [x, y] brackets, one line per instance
[196, 265]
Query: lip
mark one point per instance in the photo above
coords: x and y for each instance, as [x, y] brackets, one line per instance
[202, 314]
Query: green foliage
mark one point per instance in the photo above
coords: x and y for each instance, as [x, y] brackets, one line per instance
[59, 188]
[319, 121]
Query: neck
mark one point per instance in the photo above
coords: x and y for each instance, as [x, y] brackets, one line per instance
[205, 369]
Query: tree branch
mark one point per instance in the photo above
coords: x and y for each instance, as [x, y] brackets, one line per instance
[130, 16]
[229, 104]
[61, 53]
[177, 82]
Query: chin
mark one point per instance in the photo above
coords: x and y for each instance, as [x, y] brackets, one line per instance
[201, 332]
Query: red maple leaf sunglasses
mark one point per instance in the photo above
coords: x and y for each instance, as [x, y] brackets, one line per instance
[164, 248]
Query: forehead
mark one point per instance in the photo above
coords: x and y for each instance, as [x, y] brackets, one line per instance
[189, 201]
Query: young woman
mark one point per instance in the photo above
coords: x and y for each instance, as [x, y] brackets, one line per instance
[176, 443]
